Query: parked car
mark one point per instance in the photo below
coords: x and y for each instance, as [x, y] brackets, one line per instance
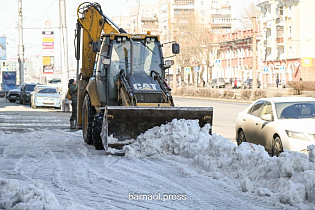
[25, 94]
[45, 97]
[278, 123]
[249, 84]
[2, 93]
[14, 94]
[218, 82]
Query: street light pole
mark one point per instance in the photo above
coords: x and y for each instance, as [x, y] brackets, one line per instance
[254, 56]
[21, 46]
[64, 45]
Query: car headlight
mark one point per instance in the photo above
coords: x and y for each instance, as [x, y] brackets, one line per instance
[297, 135]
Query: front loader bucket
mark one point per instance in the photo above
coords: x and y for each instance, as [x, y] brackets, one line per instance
[128, 122]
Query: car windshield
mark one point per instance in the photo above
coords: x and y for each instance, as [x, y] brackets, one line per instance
[295, 110]
[147, 56]
[29, 87]
[48, 90]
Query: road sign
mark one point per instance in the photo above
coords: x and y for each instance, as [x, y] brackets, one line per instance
[307, 62]
[266, 70]
[196, 68]
[296, 64]
[187, 70]
[282, 69]
[218, 62]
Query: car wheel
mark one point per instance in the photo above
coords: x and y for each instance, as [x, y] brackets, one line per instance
[88, 113]
[277, 147]
[24, 100]
[10, 100]
[241, 137]
[21, 100]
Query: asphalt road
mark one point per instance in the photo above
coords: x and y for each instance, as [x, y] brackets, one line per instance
[225, 114]
[22, 118]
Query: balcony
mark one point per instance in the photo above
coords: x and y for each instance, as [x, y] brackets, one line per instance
[267, 43]
[279, 21]
[280, 41]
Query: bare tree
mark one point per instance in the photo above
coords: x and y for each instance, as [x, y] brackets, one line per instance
[196, 43]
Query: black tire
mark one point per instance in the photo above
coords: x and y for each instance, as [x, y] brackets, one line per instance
[96, 131]
[241, 137]
[88, 113]
[277, 147]
[10, 100]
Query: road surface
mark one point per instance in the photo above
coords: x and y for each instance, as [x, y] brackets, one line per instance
[37, 145]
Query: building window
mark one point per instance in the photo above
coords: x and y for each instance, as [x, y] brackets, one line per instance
[202, 12]
[201, 3]
[289, 12]
[289, 32]
[281, 11]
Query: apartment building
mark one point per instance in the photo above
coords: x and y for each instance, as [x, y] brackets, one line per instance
[288, 41]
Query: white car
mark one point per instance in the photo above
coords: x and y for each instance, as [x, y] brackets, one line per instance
[45, 97]
[278, 123]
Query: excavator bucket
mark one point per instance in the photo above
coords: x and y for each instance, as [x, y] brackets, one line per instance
[128, 122]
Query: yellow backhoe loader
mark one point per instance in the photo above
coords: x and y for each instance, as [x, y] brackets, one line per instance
[122, 91]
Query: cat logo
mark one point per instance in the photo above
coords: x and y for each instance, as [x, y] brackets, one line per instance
[144, 86]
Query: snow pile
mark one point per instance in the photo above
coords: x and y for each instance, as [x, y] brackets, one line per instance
[289, 179]
[177, 137]
[35, 196]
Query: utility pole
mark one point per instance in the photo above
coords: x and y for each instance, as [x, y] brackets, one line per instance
[254, 56]
[21, 46]
[171, 35]
[64, 45]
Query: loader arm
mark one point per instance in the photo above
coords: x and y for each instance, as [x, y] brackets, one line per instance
[93, 22]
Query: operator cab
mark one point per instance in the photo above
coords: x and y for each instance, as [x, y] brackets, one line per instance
[136, 56]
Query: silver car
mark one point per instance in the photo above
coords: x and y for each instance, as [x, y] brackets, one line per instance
[45, 97]
[278, 123]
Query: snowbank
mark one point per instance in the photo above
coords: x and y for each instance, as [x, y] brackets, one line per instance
[35, 196]
[289, 179]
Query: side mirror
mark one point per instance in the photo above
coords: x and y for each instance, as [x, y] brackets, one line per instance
[96, 47]
[175, 48]
[267, 117]
[168, 63]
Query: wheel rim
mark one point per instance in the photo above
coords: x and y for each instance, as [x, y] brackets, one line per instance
[277, 147]
[241, 137]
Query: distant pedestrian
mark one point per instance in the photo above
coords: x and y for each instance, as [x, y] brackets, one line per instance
[73, 92]
[277, 82]
[235, 83]
[283, 83]
[300, 78]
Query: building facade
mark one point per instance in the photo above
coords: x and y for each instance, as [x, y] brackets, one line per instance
[236, 56]
[288, 40]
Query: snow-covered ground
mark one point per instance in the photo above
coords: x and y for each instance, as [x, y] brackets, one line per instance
[174, 166]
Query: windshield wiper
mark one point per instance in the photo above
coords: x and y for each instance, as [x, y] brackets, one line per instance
[147, 47]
